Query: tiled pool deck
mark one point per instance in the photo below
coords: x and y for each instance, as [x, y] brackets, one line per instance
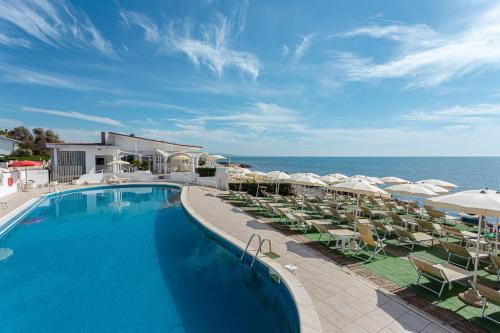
[344, 302]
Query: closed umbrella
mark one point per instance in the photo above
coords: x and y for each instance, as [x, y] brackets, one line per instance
[479, 202]
[437, 182]
[257, 175]
[394, 180]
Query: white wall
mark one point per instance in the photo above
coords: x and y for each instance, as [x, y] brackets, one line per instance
[40, 177]
[5, 189]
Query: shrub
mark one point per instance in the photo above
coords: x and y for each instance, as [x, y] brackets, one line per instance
[205, 172]
[251, 188]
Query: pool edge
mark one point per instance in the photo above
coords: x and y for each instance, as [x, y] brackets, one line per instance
[309, 321]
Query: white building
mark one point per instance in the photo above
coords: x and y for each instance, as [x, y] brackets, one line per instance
[70, 160]
[8, 145]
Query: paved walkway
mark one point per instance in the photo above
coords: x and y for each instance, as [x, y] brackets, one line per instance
[344, 302]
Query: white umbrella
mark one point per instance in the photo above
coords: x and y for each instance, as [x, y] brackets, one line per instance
[411, 189]
[480, 202]
[216, 157]
[414, 190]
[338, 175]
[310, 174]
[394, 180]
[330, 179]
[306, 180]
[118, 162]
[437, 182]
[278, 176]
[359, 187]
[358, 179]
[437, 189]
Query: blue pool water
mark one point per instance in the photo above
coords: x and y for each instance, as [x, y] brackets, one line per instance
[466, 172]
[130, 259]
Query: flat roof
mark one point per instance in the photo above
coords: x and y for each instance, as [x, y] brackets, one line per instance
[79, 144]
[159, 141]
[10, 139]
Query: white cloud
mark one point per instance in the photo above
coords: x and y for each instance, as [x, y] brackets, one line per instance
[258, 118]
[458, 114]
[284, 51]
[209, 46]
[135, 103]
[57, 24]
[427, 58]
[213, 49]
[302, 47]
[9, 123]
[76, 115]
[151, 32]
[8, 40]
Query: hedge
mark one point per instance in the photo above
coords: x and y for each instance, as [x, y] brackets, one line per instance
[205, 172]
[251, 188]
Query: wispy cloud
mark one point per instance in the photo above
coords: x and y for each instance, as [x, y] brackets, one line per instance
[213, 49]
[284, 51]
[207, 45]
[427, 58]
[8, 40]
[37, 77]
[135, 103]
[56, 23]
[458, 114]
[151, 32]
[76, 115]
[259, 118]
[302, 47]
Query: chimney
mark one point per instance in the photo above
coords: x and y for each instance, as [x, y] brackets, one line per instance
[103, 138]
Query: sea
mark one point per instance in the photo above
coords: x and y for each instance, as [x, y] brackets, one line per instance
[466, 172]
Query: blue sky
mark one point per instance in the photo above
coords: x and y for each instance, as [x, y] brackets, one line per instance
[320, 78]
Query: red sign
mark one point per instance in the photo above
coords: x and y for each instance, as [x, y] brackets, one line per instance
[10, 181]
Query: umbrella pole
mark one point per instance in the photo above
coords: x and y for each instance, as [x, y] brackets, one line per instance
[471, 296]
[257, 193]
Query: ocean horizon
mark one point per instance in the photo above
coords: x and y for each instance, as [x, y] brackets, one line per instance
[466, 172]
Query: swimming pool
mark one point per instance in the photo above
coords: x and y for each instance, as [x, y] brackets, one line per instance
[129, 258]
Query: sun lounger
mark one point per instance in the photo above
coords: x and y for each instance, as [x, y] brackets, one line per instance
[468, 254]
[445, 274]
[368, 243]
[488, 295]
[494, 267]
[466, 236]
[308, 224]
[372, 213]
[341, 236]
[402, 221]
[4, 204]
[353, 220]
[434, 228]
[406, 237]
[336, 215]
[383, 228]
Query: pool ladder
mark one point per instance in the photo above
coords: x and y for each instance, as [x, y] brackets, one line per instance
[259, 249]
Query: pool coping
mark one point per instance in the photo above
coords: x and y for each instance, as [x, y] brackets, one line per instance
[309, 321]
[308, 316]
